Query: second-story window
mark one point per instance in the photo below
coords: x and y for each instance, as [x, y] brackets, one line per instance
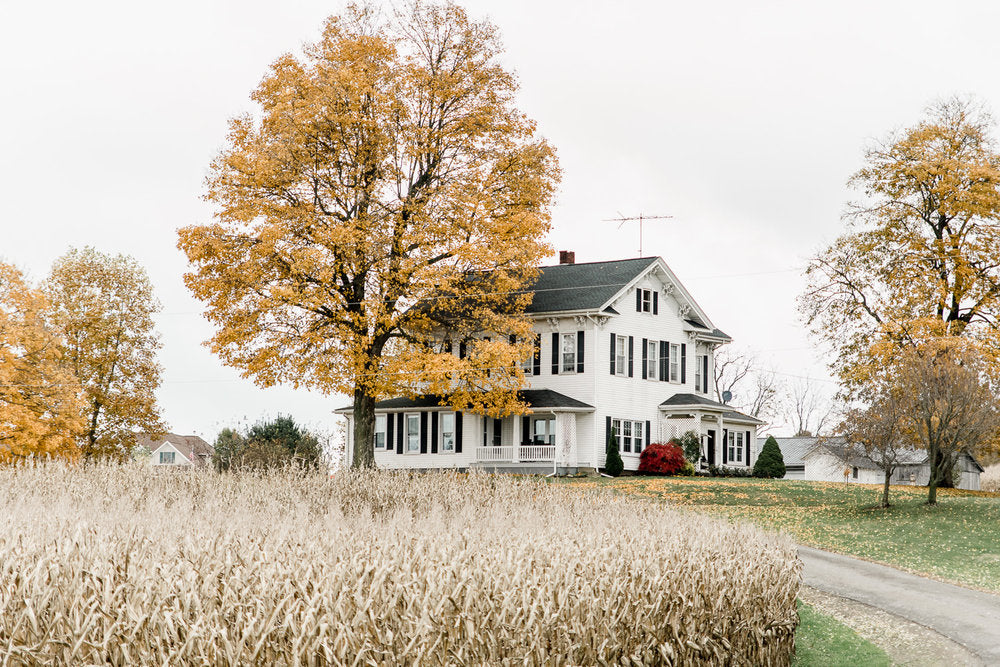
[675, 362]
[621, 355]
[652, 359]
[568, 353]
[700, 383]
[645, 300]
[167, 458]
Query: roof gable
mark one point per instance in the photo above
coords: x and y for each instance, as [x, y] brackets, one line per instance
[589, 286]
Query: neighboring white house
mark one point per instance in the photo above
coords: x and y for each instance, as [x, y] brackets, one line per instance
[829, 459]
[172, 450]
[619, 344]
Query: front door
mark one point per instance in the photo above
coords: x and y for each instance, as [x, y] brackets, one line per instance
[711, 447]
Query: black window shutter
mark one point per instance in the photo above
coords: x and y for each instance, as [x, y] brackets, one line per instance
[434, 433]
[607, 431]
[747, 441]
[400, 427]
[649, 431]
[555, 354]
[631, 354]
[725, 446]
[638, 300]
[645, 355]
[447, 346]
[684, 363]
[704, 374]
[458, 432]
[390, 422]
[497, 432]
[656, 307]
[512, 339]
[461, 350]
[612, 354]
[537, 369]
[423, 432]
[664, 361]
[579, 351]
[525, 430]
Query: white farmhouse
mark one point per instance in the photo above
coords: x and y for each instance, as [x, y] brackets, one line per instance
[619, 344]
[170, 450]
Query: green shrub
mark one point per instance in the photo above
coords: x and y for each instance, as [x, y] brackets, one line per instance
[770, 463]
[690, 442]
[613, 462]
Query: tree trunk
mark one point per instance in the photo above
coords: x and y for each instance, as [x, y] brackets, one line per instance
[363, 455]
[885, 488]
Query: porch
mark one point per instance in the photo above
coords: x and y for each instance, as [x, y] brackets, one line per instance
[516, 454]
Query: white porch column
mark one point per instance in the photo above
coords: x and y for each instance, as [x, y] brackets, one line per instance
[566, 454]
[516, 437]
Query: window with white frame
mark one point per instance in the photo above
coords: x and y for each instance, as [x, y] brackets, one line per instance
[646, 300]
[380, 440]
[631, 435]
[528, 365]
[167, 458]
[736, 446]
[652, 359]
[675, 362]
[543, 430]
[700, 382]
[568, 353]
[447, 432]
[621, 355]
[413, 434]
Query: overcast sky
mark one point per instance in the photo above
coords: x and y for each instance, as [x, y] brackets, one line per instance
[741, 120]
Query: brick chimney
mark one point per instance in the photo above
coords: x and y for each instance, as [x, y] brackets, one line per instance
[567, 257]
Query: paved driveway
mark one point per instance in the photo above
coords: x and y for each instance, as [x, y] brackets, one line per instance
[969, 617]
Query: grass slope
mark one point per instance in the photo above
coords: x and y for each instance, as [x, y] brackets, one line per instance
[823, 641]
[959, 540]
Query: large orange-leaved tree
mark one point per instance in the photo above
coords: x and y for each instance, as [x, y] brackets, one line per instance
[379, 213]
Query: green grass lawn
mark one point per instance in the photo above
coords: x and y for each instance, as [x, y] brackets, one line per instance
[958, 540]
[823, 641]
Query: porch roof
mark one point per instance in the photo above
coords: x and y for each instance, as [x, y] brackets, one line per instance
[535, 398]
[689, 401]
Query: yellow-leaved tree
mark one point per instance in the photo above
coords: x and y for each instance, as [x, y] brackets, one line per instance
[920, 261]
[103, 306]
[379, 214]
[40, 403]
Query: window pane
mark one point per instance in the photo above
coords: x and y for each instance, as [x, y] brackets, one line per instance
[379, 431]
[674, 363]
[568, 352]
[620, 356]
[627, 436]
[413, 433]
[652, 362]
[448, 432]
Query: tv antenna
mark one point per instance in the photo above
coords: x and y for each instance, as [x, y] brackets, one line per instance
[621, 220]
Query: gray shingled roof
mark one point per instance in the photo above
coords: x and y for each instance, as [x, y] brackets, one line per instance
[678, 400]
[192, 447]
[535, 398]
[715, 333]
[583, 286]
[793, 449]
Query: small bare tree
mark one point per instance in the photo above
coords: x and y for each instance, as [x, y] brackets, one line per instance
[754, 389]
[876, 432]
[950, 404]
[808, 408]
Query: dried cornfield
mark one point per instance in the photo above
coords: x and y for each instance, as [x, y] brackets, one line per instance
[114, 565]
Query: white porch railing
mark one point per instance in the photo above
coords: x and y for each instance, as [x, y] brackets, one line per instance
[515, 454]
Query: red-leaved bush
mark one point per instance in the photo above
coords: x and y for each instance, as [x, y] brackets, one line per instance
[661, 459]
